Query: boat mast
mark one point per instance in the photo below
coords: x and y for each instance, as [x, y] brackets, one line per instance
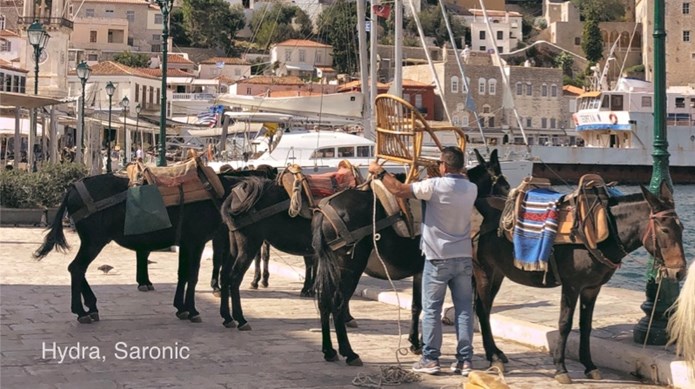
[364, 71]
[372, 65]
[397, 88]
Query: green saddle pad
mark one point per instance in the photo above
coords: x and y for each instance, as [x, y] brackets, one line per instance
[145, 211]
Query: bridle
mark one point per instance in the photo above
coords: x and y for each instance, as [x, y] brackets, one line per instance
[650, 235]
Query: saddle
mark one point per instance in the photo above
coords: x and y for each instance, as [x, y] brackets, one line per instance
[305, 190]
[183, 183]
[582, 214]
[410, 209]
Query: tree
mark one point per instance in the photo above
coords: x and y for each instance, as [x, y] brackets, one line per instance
[564, 61]
[433, 24]
[278, 22]
[137, 60]
[337, 25]
[211, 23]
[600, 10]
[592, 42]
[177, 30]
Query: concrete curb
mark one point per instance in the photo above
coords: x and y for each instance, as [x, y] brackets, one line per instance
[652, 362]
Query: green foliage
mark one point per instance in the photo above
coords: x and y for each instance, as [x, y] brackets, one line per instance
[600, 10]
[45, 188]
[211, 23]
[135, 60]
[337, 23]
[433, 24]
[177, 29]
[568, 80]
[564, 61]
[592, 42]
[278, 22]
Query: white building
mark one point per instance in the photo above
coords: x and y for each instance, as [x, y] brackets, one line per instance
[300, 57]
[506, 28]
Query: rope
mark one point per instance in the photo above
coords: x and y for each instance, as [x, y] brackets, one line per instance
[296, 199]
[389, 376]
[651, 317]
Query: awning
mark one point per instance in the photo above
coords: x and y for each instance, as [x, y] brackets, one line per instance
[236, 128]
[11, 99]
[7, 126]
[591, 94]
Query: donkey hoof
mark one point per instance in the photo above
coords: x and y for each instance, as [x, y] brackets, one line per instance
[182, 315]
[264, 284]
[229, 324]
[253, 286]
[499, 365]
[245, 327]
[86, 319]
[150, 287]
[94, 316]
[417, 350]
[351, 324]
[356, 361]
[330, 357]
[143, 288]
[563, 378]
[307, 293]
[196, 319]
[216, 292]
[594, 375]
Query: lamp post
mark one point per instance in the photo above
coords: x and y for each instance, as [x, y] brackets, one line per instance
[165, 6]
[38, 38]
[138, 108]
[110, 88]
[83, 72]
[655, 306]
[125, 102]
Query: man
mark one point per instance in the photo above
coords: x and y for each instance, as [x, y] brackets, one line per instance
[446, 244]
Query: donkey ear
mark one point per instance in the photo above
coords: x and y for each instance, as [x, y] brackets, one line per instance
[495, 162]
[481, 160]
[666, 194]
[654, 203]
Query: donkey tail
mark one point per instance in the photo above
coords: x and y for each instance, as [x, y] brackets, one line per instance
[680, 326]
[55, 236]
[328, 270]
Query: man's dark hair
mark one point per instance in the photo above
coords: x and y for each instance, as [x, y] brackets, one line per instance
[452, 156]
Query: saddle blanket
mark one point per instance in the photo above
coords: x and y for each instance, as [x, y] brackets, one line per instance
[535, 229]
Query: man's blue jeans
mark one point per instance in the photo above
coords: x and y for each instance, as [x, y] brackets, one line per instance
[436, 276]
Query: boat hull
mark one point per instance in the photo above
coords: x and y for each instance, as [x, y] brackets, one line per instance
[623, 174]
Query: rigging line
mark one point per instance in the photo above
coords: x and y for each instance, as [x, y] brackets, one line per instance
[435, 76]
[505, 79]
[629, 45]
[464, 80]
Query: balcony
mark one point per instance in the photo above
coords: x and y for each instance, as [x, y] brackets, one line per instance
[194, 96]
[46, 21]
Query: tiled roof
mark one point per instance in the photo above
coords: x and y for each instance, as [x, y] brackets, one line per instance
[110, 68]
[157, 72]
[8, 33]
[494, 13]
[301, 43]
[144, 2]
[225, 60]
[175, 58]
[355, 85]
[9, 66]
[413, 83]
[573, 90]
[291, 93]
[225, 79]
[273, 80]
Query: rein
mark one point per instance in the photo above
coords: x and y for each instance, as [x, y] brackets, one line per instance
[651, 230]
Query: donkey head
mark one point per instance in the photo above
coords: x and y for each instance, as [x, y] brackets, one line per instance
[488, 175]
[663, 238]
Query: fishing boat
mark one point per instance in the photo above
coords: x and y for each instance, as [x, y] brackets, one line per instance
[614, 137]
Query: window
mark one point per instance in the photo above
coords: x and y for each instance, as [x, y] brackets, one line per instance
[577, 41]
[500, 49]
[137, 92]
[500, 35]
[481, 86]
[529, 89]
[130, 41]
[109, 36]
[157, 37]
[5, 45]
[92, 36]
[89, 12]
[327, 152]
[519, 89]
[3, 22]
[346, 152]
[248, 91]
[465, 120]
[156, 48]
[553, 122]
[92, 57]
[544, 90]
[418, 101]
[492, 86]
[529, 122]
[318, 58]
[288, 55]
[686, 8]
[686, 36]
[553, 90]
[454, 84]
[363, 151]
[130, 15]
[646, 101]
[680, 102]
[482, 48]
[158, 18]
[460, 107]
[482, 35]
[302, 55]
[544, 123]
[109, 13]
[491, 121]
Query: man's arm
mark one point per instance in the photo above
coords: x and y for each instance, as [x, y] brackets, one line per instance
[392, 184]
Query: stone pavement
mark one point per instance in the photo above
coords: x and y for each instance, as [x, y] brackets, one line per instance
[282, 351]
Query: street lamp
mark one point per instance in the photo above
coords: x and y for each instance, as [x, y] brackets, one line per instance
[126, 144]
[110, 88]
[138, 108]
[83, 72]
[165, 6]
[38, 37]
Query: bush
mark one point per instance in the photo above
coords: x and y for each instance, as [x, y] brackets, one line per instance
[45, 188]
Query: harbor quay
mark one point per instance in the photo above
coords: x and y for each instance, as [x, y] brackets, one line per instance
[139, 343]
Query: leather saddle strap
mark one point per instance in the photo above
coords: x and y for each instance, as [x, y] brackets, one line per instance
[179, 225]
[347, 237]
[91, 206]
[253, 216]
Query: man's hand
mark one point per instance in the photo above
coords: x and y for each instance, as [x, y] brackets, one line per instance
[375, 168]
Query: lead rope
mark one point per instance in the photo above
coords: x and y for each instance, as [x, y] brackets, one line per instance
[651, 317]
[296, 199]
[389, 375]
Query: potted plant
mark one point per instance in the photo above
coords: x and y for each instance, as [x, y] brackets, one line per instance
[28, 198]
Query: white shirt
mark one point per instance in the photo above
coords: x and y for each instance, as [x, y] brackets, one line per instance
[446, 228]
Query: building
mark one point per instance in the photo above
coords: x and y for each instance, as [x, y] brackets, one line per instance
[300, 57]
[232, 68]
[12, 79]
[506, 27]
[265, 85]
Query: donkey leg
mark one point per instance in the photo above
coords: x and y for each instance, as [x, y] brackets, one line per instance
[265, 258]
[309, 276]
[415, 310]
[182, 277]
[220, 249]
[586, 313]
[90, 300]
[78, 268]
[225, 259]
[246, 250]
[142, 275]
[567, 306]
[256, 272]
[193, 253]
[329, 353]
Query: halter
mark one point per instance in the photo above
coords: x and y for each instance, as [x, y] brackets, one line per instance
[651, 230]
